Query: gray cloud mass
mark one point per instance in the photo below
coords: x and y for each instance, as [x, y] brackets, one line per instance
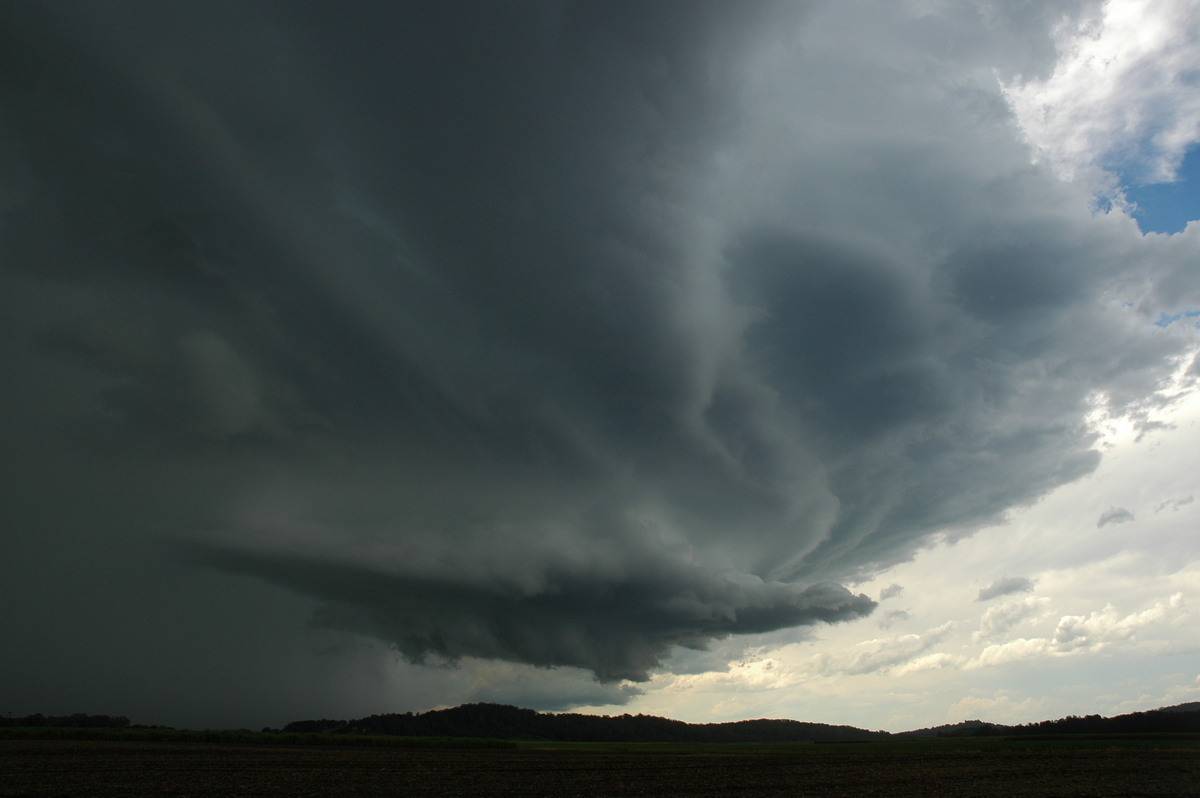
[558, 334]
[1005, 587]
[1114, 515]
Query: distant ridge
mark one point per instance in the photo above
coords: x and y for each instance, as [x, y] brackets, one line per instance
[501, 721]
[505, 722]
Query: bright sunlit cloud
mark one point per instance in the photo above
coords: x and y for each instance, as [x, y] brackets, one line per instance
[1124, 95]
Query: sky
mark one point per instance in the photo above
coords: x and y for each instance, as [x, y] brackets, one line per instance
[825, 360]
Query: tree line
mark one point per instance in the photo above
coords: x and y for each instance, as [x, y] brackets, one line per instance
[76, 721]
[505, 722]
[1155, 721]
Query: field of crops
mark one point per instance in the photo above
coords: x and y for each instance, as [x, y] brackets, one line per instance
[61, 767]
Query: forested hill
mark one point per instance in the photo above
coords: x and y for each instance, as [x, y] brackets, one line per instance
[1183, 718]
[505, 722]
[513, 723]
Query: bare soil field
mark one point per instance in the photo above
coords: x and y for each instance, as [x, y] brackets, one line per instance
[94, 768]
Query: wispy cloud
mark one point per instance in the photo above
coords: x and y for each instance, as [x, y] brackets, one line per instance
[1174, 504]
[879, 654]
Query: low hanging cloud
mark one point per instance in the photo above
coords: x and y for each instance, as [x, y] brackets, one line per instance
[564, 334]
[619, 626]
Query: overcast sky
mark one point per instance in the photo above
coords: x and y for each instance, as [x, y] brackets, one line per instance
[709, 359]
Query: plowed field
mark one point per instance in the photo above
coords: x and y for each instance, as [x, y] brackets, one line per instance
[68, 768]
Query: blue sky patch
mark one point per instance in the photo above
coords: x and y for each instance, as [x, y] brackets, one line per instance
[1167, 319]
[1168, 207]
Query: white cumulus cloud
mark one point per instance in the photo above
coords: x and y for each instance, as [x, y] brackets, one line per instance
[1124, 91]
[1001, 618]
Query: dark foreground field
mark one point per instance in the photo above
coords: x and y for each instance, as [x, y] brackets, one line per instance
[96, 768]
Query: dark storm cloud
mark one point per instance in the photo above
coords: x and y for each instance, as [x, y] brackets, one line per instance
[555, 333]
[1005, 587]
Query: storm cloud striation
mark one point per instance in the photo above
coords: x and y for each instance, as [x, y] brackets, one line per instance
[562, 334]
